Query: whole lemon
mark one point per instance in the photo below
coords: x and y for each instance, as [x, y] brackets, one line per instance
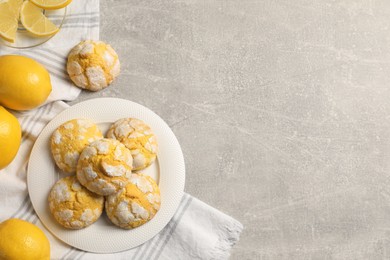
[10, 134]
[20, 239]
[24, 83]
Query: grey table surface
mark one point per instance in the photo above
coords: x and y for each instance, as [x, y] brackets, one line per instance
[282, 111]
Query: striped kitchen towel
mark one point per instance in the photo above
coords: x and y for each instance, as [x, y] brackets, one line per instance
[197, 231]
[81, 23]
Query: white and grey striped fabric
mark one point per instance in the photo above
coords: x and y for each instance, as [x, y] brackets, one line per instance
[81, 23]
[197, 231]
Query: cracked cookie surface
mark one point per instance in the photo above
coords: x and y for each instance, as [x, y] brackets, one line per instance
[135, 204]
[68, 141]
[138, 137]
[93, 65]
[72, 205]
[104, 166]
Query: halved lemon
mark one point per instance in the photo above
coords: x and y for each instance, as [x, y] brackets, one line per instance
[9, 15]
[35, 21]
[51, 4]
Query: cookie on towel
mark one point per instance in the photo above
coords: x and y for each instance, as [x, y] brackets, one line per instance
[104, 166]
[93, 65]
[135, 204]
[138, 137]
[69, 139]
[72, 205]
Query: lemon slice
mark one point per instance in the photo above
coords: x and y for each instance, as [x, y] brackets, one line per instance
[35, 21]
[9, 14]
[8, 26]
[51, 4]
[15, 6]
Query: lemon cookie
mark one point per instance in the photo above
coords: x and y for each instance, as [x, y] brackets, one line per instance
[72, 205]
[93, 65]
[138, 137]
[69, 140]
[135, 204]
[104, 166]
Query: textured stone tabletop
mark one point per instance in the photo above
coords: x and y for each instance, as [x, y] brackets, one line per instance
[282, 111]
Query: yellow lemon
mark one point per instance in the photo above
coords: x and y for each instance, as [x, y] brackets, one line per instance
[51, 4]
[10, 134]
[35, 21]
[24, 83]
[20, 239]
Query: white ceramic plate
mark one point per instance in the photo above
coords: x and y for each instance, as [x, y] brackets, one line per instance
[103, 236]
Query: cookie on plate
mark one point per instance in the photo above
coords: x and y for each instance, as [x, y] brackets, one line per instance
[138, 137]
[69, 139]
[135, 204]
[72, 205]
[104, 166]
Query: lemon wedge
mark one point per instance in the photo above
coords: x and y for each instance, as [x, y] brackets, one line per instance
[51, 4]
[35, 21]
[15, 6]
[9, 15]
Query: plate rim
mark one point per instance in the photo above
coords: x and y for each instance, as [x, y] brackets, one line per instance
[116, 102]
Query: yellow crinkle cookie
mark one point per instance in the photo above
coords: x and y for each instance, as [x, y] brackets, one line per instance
[72, 205]
[138, 137]
[93, 65]
[68, 141]
[135, 204]
[104, 166]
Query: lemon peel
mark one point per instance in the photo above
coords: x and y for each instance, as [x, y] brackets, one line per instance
[10, 135]
[24, 83]
[20, 239]
[51, 4]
